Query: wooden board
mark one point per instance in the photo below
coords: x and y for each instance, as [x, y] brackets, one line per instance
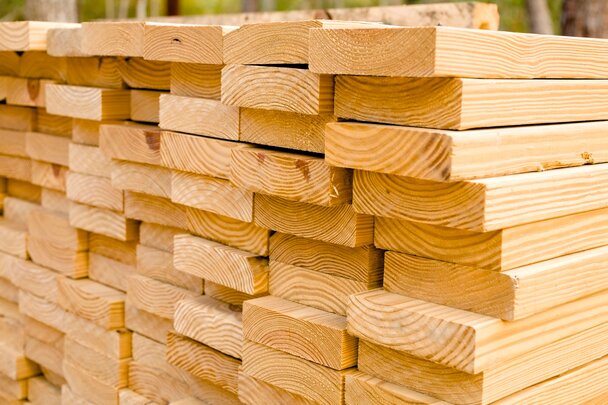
[95, 191]
[56, 228]
[221, 264]
[291, 176]
[55, 256]
[158, 237]
[141, 178]
[13, 238]
[212, 323]
[26, 92]
[64, 42]
[48, 356]
[47, 148]
[17, 118]
[86, 132]
[41, 391]
[127, 396]
[111, 371]
[15, 365]
[123, 251]
[252, 390]
[85, 386]
[27, 35]
[138, 73]
[9, 63]
[363, 263]
[145, 105]
[94, 72]
[133, 142]
[310, 287]
[124, 38]
[484, 204]
[306, 332]
[211, 194]
[88, 102]
[462, 155]
[16, 168]
[185, 43]
[109, 271]
[277, 88]
[93, 301]
[199, 116]
[285, 129]
[340, 225]
[53, 124]
[158, 264]
[156, 297]
[196, 80]
[238, 234]
[453, 52]
[156, 210]
[102, 221]
[89, 160]
[55, 201]
[203, 361]
[39, 65]
[13, 143]
[378, 317]
[227, 294]
[146, 324]
[511, 295]
[322, 385]
[455, 103]
[197, 154]
[18, 210]
[49, 175]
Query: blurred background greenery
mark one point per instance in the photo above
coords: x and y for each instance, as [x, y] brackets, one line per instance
[513, 12]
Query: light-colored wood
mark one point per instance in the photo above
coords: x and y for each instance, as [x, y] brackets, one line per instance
[322, 384]
[484, 204]
[340, 225]
[511, 295]
[56, 228]
[86, 159]
[156, 297]
[310, 287]
[68, 397]
[306, 332]
[196, 80]
[462, 155]
[138, 73]
[129, 397]
[238, 234]
[13, 143]
[211, 194]
[24, 190]
[86, 132]
[228, 295]
[17, 118]
[49, 175]
[469, 342]
[156, 210]
[26, 92]
[15, 365]
[221, 264]
[109, 271]
[363, 264]
[39, 65]
[54, 201]
[64, 42]
[158, 264]
[55, 256]
[278, 88]
[47, 148]
[103, 221]
[447, 51]
[147, 324]
[94, 190]
[15, 389]
[85, 386]
[42, 332]
[133, 142]
[53, 124]
[88, 102]
[27, 35]
[141, 178]
[123, 251]
[40, 392]
[113, 372]
[252, 391]
[185, 43]
[158, 237]
[16, 168]
[13, 238]
[285, 129]
[124, 38]
[199, 116]
[455, 103]
[8, 292]
[145, 105]
[291, 176]
[17, 210]
[94, 72]
[197, 154]
[211, 322]
[93, 301]
[203, 361]
[9, 63]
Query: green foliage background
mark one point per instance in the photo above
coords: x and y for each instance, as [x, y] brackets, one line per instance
[512, 12]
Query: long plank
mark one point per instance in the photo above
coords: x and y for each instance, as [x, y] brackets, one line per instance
[469, 342]
[64, 42]
[17, 118]
[484, 204]
[146, 324]
[16, 168]
[24, 190]
[141, 178]
[277, 88]
[49, 175]
[110, 272]
[252, 391]
[113, 38]
[454, 52]
[87, 102]
[56, 227]
[27, 35]
[114, 248]
[133, 142]
[145, 105]
[109, 370]
[55, 256]
[455, 103]
[138, 73]
[158, 264]
[102, 221]
[462, 155]
[39, 65]
[156, 210]
[227, 294]
[94, 72]
[26, 92]
[9, 63]
[87, 159]
[94, 190]
[158, 237]
[47, 148]
[54, 124]
[13, 143]
[196, 80]
[156, 297]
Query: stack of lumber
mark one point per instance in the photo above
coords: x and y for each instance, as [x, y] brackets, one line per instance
[495, 278]
[191, 214]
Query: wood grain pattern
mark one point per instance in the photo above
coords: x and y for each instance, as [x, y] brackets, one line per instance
[196, 80]
[102, 221]
[455, 103]
[113, 38]
[123, 251]
[24, 190]
[87, 102]
[15, 365]
[56, 228]
[39, 65]
[86, 132]
[145, 105]
[49, 175]
[55, 201]
[146, 324]
[95, 191]
[154, 296]
[127, 396]
[158, 237]
[40, 390]
[227, 294]
[64, 42]
[55, 256]
[113, 372]
[9, 63]
[291, 176]
[141, 178]
[27, 35]
[468, 342]
[16, 168]
[48, 356]
[26, 92]
[86, 159]
[47, 148]
[221, 264]
[109, 271]
[199, 116]
[462, 155]
[158, 264]
[252, 390]
[18, 210]
[211, 194]
[340, 225]
[211, 322]
[138, 73]
[156, 210]
[17, 118]
[285, 129]
[13, 143]
[94, 72]
[133, 142]
[306, 332]
[85, 386]
[13, 238]
[484, 204]
[53, 124]
[277, 88]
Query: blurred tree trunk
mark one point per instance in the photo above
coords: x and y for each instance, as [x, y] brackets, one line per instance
[249, 6]
[587, 18]
[173, 7]
[51, 10]
[539, 17]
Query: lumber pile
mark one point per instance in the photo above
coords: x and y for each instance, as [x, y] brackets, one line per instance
[309, 211]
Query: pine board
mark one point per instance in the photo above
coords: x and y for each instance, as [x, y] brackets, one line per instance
[138, 73]
[156, 210]
[158, 264]
[86, 159]
[47, 148]
[102, 221]
[154, 296]
[141, 178]
[95, 191]
[113, 38]
[64, 41]
[94, 72]
[145, 105]
[134, 142]
[27, 35]
[88, 102]
[196, 80]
